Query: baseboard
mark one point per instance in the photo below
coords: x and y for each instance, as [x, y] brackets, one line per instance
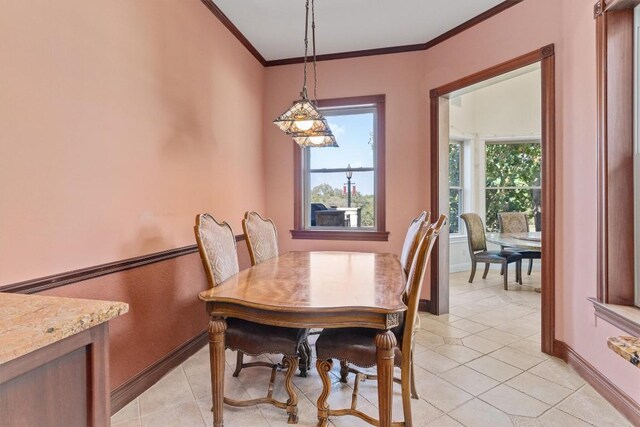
[131, 389]
[618, 398]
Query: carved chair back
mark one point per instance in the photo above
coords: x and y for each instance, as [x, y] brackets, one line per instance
[217, 247]
[417, 228]
[513, 222]
[475, 232]
[414, 282]
[261, 236]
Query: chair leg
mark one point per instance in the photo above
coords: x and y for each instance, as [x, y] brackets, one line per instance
[323, 367]
[505, 268]
[344, 371]
[519, 271]
[486, 270]
[502, 270]
[473, 271]
[304, 353]
[239, 360]
[291, 362]
[405, 382]
[530, 266]
[414, 390]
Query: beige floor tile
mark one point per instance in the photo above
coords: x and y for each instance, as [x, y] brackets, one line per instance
[129, 423]
[519, 328]
[529, 347]
[557, 418]
[525, 421]
[541, 389]
[513, 402]
[589, 406]
[469, 380]
[233, 416]
[555, 370]
[458, 353]
[172, 390]
[483, 345]
[469, 325]
[477, 413]
[446, 318]
[186, 413]
[444, 421]
[499, 336]
[494, 368]
[445, 330]
[516, 358]
[439, 392]
[428, 339]
[434, 362]
[130, 412]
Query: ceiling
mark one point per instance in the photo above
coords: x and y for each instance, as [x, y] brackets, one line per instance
[276, 27]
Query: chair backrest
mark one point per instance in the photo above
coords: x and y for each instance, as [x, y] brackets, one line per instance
[513, 222]
[217, 247]
[416, 231]
[475, 232]
[415, 279]
[261, 236]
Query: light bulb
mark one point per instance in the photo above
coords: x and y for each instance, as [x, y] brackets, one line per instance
[316, 140]
[303, 125]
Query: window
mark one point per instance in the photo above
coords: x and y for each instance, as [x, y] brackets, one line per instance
[339, 192]
[512, 181]
[456, 194]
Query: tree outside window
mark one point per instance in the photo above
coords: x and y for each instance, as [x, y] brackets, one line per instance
[455, 186]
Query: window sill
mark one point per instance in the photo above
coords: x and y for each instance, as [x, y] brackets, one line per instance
[624, 317]
[374, 236]
[457, 237]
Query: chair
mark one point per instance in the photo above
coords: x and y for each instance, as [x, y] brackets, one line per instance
[517, 222]
[261, 236]
[479, 253]
[217, 247]
[416, 231]
[356, 346]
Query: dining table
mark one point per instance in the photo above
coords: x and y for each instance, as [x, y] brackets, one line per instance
[312, 290]
[531, 241]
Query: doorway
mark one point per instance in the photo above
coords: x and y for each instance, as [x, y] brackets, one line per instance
[542, 59]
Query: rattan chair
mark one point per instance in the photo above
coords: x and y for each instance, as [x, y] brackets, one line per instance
[479, 253]
[261, 237]
[355, 346]
[217, 247]
[517, 222]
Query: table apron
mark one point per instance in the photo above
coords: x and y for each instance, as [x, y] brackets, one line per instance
[349, 317]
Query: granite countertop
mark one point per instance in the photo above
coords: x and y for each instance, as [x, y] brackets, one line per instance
[30, 322]
[627, 347]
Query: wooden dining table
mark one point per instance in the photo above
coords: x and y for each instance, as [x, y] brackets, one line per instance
[312, 290]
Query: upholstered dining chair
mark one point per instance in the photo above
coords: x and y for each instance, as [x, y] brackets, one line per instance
[261, 237]
[479, 253]
[217, 247]
[517, 222]
[417, 228]
[356, 346]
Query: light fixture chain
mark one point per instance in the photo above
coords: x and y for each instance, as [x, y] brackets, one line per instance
[313, 38]
[306, 49]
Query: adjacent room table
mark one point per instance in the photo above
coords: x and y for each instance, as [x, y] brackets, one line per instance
[312, 290]
[531, 241]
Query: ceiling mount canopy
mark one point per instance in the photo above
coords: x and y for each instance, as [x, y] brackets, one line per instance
[303, 122]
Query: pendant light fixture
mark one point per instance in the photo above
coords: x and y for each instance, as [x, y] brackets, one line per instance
[303, 122]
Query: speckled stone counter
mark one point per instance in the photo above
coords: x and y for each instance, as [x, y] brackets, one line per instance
[30, 322]
[627, 347]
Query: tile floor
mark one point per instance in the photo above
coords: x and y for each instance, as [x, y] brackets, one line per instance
[480, 365]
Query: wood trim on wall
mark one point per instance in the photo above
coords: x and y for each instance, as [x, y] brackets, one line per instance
[621, 316]
[380, 234]
[69, 277]
[128, 391]
[234, 30]
[618, 398]
[614, 122]
[501, 7]
[545, 56]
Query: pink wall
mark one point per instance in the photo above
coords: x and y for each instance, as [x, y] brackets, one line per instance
[406, 80]
[120, 121]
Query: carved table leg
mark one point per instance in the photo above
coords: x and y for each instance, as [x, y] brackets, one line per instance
[323, 367]
[385, 349]
[217, 327]
[291, 362]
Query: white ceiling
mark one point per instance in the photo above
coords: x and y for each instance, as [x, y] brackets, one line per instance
[276, 27]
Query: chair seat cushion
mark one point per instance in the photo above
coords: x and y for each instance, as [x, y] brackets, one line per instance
[497, 256]
[255, 339]
[353, 345]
